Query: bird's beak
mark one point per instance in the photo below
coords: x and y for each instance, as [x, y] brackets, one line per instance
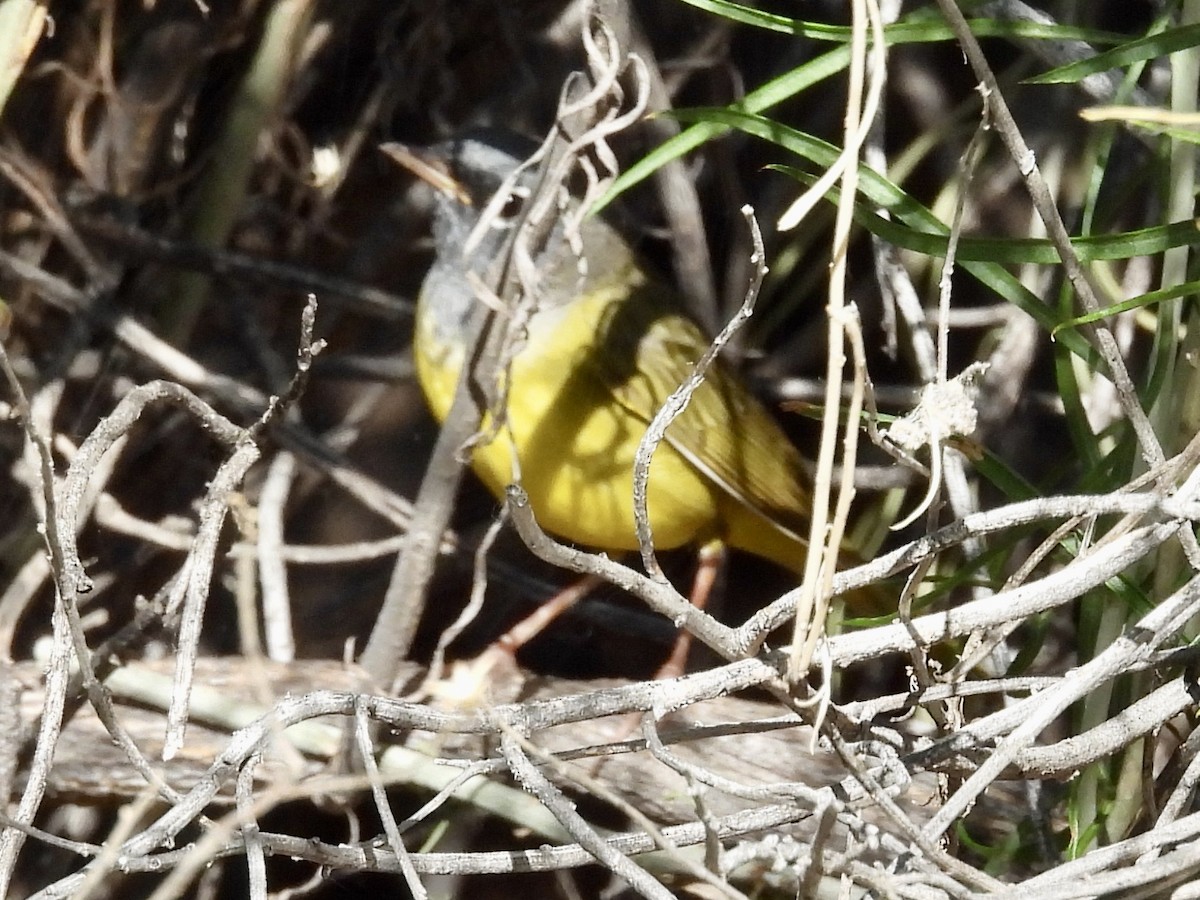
[430, 167]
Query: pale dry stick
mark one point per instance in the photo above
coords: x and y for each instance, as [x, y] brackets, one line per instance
[256, 862]
[174, 533]
[107, 657]
[860, 114]
[317, 880]
[1024, 601]
[605, 62]
[898, 292]
[245, 590]
[867, 710]
[792, 791]
[129, 818]
[713, 851]
[43, 408]
[660, 596]
[396, 624]
[1029, 565]
[918, 657]
[559, 155]
[529, 777]
[664, 847]
[1160, 478]
[1105, 871]
[978, 736]
[326, 554]
[851, 326]
[479, 582]
[163, 861]
[1059, 587]
[883, 254]
[526, 712]
[1183, 507]
[1173, 876]
[824, 538]
[1142, 717]
[191, 595]
[20, 31]
[822, 700]
[971, 159]
[1011, 360]
[982, 317]
[60, 520]
[555, 703]
[667, 701]
[1144, 114]
[813, 871]
[276, 602]
[616, 120]
[1133, 646]
[677, 402]
[1026, 163]
[780, 865]
[55, 688]
[362, 736]
[242, 744]
[246, 594]
[22, 590]
[1053, 590]
[370, 857]
[972, 655]
[926, 847]
[25, 584]
[189, 864]
[321, 741]
[460, 787]
[1181, 796]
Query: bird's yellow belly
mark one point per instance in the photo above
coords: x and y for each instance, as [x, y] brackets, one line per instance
[574, 447]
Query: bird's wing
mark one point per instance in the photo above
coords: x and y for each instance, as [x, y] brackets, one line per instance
[646, 352]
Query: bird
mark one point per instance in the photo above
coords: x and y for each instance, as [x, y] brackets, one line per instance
[607, 344]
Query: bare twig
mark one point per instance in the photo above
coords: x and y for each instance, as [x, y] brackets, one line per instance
[677, 402]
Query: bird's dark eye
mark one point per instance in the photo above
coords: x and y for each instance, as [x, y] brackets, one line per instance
[512, 206]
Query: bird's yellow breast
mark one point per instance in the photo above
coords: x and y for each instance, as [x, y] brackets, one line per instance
[572, 443]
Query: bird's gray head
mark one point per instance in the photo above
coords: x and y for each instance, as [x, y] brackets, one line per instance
[478, 163]
[480, 160]
[468, 171]
[475, 164]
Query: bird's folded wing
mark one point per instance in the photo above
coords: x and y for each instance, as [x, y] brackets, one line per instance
[724, 431]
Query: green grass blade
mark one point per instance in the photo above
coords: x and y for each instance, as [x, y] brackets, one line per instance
[1150, 47]
[1148, 299]
[882, 193]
